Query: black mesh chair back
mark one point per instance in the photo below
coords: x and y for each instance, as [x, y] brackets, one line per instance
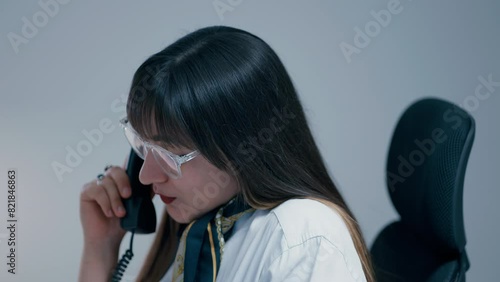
[426, 166]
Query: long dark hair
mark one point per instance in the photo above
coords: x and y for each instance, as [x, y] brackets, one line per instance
[226, 93]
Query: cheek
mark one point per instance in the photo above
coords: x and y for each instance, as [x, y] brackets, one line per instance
[202, 188]
[201, 195]
[196, 194]
[202, 182]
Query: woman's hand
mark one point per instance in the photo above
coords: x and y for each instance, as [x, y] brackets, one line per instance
[101, 208]
[100, 211]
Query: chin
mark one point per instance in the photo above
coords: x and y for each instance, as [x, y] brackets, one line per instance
[181, 215]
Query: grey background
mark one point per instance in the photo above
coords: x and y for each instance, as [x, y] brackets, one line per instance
[71, 74]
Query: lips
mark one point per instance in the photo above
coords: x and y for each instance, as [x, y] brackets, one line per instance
[167, 200]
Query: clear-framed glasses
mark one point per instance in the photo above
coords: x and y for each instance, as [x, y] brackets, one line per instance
[168, 161]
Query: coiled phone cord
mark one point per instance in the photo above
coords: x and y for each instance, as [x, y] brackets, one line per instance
[123, 263]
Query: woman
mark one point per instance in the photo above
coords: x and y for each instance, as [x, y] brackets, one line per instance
[251, 198]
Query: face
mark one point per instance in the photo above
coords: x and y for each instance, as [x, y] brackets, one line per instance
[201, 188]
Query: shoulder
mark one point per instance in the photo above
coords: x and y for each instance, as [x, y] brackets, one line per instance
[315, 243]
[304, 219]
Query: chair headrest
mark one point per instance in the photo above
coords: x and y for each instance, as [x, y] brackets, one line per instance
[426, 165]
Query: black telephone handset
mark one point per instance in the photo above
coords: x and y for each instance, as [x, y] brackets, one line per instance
[140, 212]
[140, 216]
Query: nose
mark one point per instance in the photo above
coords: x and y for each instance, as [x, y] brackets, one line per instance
[151, 172]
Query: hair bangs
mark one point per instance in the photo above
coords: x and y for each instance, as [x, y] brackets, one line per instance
[152, 112]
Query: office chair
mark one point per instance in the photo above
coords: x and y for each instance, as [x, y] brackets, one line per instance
[426, 165]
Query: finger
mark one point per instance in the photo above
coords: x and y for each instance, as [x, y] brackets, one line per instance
[120, 177]
[93, 192]
[111, 189]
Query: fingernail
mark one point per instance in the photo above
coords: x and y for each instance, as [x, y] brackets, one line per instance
[120, 210]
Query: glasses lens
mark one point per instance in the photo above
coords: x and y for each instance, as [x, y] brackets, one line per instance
[136, 143]
[168, 164]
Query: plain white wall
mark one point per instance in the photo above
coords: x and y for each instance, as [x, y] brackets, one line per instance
[72, 72]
